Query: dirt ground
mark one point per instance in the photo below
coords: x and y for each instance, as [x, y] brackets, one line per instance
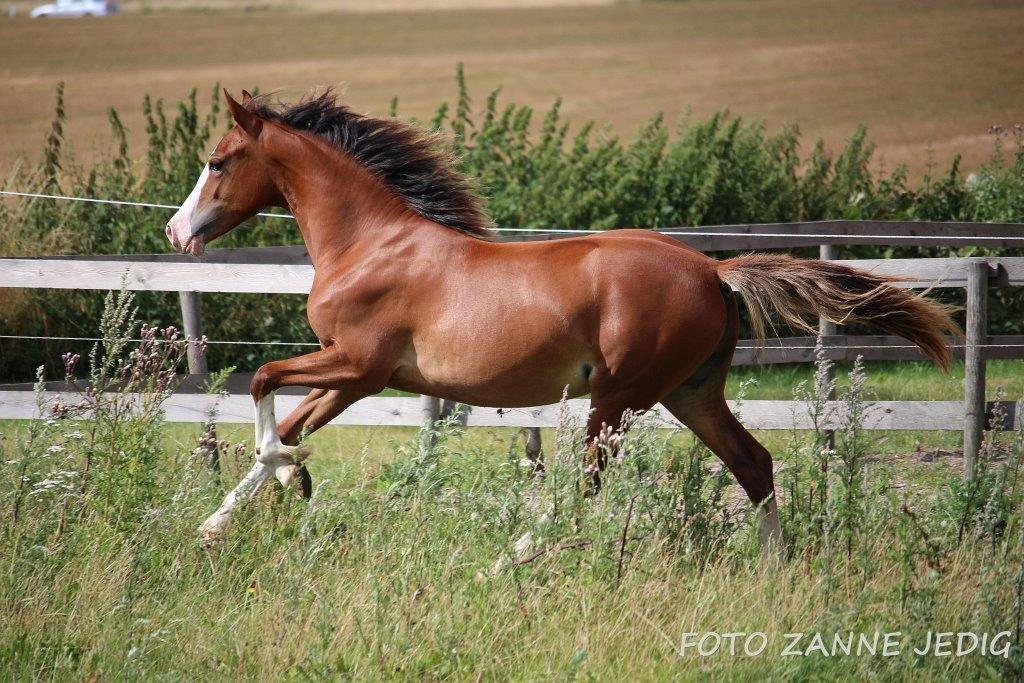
[929, 78]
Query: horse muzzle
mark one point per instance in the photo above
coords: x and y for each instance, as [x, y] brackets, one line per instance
[188, 233]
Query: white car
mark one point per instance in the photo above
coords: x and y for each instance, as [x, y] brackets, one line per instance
[74, 8]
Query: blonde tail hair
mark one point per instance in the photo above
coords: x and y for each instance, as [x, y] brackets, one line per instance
[800, 288]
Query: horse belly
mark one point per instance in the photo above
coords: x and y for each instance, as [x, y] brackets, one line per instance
[508, 372]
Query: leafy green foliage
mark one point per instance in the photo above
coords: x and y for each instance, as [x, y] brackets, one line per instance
[536, 172]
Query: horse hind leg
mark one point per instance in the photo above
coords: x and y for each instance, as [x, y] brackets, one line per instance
[703, 409]
[605, 421]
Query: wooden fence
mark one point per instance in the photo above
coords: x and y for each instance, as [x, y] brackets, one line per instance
[286, 270]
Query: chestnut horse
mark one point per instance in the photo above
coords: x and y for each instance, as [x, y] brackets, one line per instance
[411, 291]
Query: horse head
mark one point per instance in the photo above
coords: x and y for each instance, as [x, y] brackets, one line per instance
[234, 186]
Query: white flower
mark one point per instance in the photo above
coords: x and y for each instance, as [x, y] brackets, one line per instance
[54, 480]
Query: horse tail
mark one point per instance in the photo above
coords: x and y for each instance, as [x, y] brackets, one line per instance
[798, 288]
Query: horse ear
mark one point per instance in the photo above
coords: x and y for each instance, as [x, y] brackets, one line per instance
[247, 121]
[246, 98]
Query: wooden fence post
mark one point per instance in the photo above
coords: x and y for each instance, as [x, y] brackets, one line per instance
[430, 409]
[826, 328]
[192, 322]
[974, 363]
[192, 326]
[534, 449]
[448, 408]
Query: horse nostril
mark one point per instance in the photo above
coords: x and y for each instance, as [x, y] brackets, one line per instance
[167, 230]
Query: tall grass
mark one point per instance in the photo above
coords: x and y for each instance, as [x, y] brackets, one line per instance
[535, 170]
[385, 571]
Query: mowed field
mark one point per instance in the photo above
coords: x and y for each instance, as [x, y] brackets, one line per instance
[928, 78]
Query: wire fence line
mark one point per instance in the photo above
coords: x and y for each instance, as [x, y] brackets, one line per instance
[114, 202]
[131, 339]
[565, 231]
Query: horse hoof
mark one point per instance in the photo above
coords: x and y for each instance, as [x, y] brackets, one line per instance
[305, 483]
[287, 464]
[286, 474]
[213, 529]
[296, 454]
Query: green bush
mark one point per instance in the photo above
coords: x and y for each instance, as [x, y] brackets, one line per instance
[716, 171]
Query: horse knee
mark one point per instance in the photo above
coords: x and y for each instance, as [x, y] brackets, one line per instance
[263, 382]
[289, 430]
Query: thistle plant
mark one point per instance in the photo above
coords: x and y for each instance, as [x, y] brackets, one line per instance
[96, 448]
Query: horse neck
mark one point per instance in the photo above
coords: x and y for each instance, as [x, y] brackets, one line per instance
[338, 204]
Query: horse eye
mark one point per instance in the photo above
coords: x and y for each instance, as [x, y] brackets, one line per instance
[216, 166]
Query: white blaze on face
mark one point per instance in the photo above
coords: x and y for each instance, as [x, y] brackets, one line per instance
[179, 228]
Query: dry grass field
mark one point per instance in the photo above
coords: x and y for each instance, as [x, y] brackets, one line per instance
[923, 75]
[351, 6]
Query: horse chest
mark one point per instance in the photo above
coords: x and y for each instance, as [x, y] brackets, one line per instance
[340, 311]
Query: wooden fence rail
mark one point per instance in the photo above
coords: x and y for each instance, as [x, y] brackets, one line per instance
[870, 347]
[834, 233]
[837, 233]
[286, 270]
[275, 278]
[397, 411]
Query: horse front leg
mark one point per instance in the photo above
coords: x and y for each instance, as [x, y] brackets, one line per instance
[316, 410]
[293, 428]
[320, 370]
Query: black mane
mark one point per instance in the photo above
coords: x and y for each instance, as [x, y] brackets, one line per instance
[408, 160]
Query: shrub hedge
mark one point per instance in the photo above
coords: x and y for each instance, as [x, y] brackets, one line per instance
[718, 170]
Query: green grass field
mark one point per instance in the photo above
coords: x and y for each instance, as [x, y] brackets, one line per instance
[927, 78]
[386, 572]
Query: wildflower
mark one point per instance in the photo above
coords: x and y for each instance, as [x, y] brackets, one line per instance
[70, 361]
[54, 480]
[59, 408]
